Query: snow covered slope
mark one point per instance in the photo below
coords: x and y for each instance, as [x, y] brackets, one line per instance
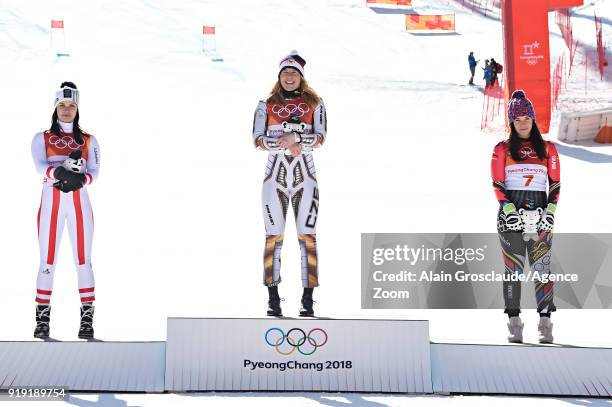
[177, 206]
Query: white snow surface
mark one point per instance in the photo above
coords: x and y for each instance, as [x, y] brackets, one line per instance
[177, 206]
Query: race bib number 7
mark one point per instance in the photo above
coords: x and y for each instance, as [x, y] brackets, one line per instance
[530, 177]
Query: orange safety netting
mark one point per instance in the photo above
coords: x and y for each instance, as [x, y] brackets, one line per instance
[445, 22]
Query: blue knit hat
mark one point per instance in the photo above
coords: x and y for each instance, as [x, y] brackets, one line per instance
[519, 105]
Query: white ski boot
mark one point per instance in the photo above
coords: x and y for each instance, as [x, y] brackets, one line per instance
[515, 330]
[545, 329]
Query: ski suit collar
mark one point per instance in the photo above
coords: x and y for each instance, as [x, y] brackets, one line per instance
[66, 127]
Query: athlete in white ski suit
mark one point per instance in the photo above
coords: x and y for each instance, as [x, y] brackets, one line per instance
[290, 182]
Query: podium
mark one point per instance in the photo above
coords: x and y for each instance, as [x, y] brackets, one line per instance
[522, 369]
[322, 355]
[83, 366]
[307, 355]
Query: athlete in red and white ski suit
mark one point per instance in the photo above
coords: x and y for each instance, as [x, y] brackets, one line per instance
[57, 208]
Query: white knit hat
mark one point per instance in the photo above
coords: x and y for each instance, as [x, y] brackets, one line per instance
[293, 60]
[66, 93]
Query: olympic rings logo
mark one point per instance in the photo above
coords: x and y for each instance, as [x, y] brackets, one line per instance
[295, 338]
[527, 152]
[63, 142]
[290, 109]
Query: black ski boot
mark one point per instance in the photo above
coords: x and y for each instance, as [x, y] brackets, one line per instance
[274, 308]
[86, 330]
[307, 301]
[43, 317]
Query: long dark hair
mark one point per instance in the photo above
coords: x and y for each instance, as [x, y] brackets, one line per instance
[56, 129]
[535, 137]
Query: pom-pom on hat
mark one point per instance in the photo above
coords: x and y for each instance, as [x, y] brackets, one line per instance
[293, 60]
[519, 105]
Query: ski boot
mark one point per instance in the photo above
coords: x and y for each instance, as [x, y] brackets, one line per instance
[274, 308]
[307, 310]
[515, 329]
[545, 327]
[43, 317]
[307, 301]
[86, 330]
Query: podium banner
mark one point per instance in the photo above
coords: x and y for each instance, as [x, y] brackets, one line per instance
[298, 355]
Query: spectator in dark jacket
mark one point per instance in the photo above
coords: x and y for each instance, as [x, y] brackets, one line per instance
[487, 73]
[494, 68]
[472, 62]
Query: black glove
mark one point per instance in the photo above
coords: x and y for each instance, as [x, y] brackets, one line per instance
[68, 181]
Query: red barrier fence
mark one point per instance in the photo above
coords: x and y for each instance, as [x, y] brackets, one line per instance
[601, 49]
[484, 7]
[572, 55]
[564, 21]
[493, 105]
[557, 81]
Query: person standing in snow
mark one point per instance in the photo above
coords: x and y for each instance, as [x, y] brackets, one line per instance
[494, 71]
[289, 124]
[68, 159]
[472, 63]
[527, 180]
[487, 73]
